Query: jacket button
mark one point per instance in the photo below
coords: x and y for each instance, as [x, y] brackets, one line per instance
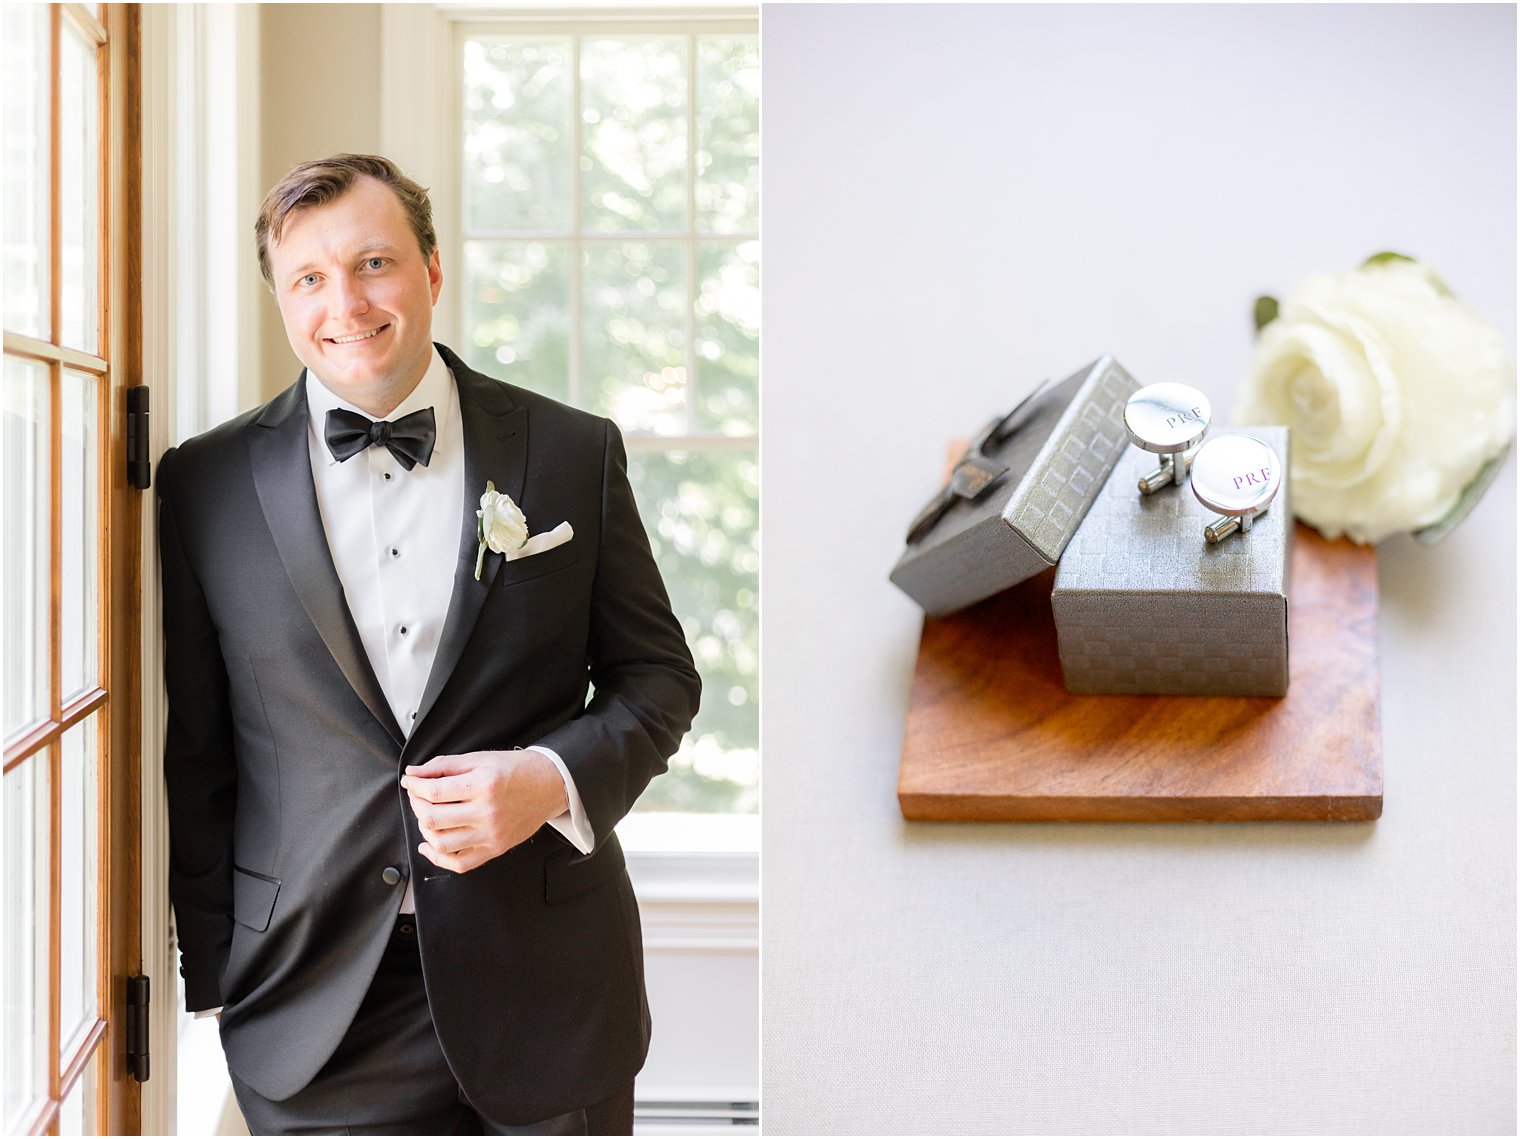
[390, 875]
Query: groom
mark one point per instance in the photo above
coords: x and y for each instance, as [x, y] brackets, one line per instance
[391, 802]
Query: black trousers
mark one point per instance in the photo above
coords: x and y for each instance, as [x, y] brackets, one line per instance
[389, 1076]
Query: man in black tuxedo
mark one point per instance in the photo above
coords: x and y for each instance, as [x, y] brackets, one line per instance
[391, 804]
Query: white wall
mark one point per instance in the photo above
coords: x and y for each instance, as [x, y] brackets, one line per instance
[319, 94]
[201, 355]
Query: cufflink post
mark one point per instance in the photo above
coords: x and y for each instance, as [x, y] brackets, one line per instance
[1239, 476]
[1168, 420]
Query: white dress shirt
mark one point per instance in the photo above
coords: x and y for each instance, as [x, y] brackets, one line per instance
[394, 539]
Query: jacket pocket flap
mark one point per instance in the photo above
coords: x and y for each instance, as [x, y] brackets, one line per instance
[566, 878]
[253, 898]
[538, 565]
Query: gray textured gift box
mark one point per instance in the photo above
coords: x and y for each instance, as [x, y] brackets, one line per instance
[1143, 604]
[1057, 462]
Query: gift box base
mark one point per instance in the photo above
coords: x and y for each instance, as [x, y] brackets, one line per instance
[1144, 605]
[993, 734]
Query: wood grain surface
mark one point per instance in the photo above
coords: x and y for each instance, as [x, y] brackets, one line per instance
[993, 735]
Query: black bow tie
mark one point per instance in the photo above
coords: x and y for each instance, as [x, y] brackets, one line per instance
[410, 438]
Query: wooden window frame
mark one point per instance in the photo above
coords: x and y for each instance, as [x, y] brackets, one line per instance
[116, 695]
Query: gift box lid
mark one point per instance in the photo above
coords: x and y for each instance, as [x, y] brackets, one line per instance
[1017, 496]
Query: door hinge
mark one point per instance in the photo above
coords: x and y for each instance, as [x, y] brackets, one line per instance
[137, 1026]
[139, 466]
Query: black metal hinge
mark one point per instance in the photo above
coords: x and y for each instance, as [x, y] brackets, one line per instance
[137, 1021]
[139, 466]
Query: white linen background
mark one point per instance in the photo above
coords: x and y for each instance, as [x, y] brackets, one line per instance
[957, 203]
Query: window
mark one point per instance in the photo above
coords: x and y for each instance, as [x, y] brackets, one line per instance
[609, 223]
[69, 526]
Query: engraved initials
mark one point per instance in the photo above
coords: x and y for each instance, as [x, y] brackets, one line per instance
[1194, 416]
[1251, 479]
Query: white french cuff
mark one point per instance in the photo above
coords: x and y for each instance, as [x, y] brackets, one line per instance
[573, 824]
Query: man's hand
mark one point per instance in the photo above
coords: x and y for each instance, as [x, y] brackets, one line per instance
[473, 807]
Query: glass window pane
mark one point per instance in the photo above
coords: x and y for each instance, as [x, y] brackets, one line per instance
[518, 135]
[728, 338]
[26, 94]
[728, 136]
[81, 532]
[633, 345]
[79, 191]
[25, 527]
[77, 837]
[25, 924]
[77, 1116]
[517, 313]
[701, 510]
[633, 123]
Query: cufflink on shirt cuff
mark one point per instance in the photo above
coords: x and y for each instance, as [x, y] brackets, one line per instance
[572, 823]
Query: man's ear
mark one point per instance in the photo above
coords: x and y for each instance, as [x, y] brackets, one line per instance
[435, 275]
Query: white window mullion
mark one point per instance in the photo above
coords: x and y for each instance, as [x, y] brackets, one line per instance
[692, 391]
[609, 236]
[646, 441]
[577, 249]
[457, 160]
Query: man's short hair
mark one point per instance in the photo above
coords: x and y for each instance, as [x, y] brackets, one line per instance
[317, 183]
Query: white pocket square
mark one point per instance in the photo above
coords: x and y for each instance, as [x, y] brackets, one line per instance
[541, 543]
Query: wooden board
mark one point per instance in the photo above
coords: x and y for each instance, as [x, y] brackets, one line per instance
[993, 735]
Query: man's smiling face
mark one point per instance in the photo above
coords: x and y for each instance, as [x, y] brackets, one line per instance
[357, 296]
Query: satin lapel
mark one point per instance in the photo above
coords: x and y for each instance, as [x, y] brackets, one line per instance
[281, 464]
[495, 450]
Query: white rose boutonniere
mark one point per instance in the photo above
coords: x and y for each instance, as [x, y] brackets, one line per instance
[502, 528]
[1401, 399]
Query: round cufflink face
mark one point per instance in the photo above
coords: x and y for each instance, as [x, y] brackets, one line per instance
[1237, 475]
[1166, 418]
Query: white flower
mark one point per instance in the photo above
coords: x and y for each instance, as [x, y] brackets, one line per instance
[500, 525]
[1397, 395]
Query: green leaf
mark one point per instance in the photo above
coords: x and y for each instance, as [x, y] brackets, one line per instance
[1465, 502]
[1265, 312]
[1385, 257]
[1426, 271]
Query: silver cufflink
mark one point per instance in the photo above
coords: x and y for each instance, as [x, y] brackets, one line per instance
[1166, 420]
[1237, 475]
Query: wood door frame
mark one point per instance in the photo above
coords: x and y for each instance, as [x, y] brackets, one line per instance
[120, 1108]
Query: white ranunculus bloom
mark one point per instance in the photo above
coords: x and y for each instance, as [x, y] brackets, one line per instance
[1397, 395]
[502, 525]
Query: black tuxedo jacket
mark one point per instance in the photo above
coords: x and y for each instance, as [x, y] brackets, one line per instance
[283, 758]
